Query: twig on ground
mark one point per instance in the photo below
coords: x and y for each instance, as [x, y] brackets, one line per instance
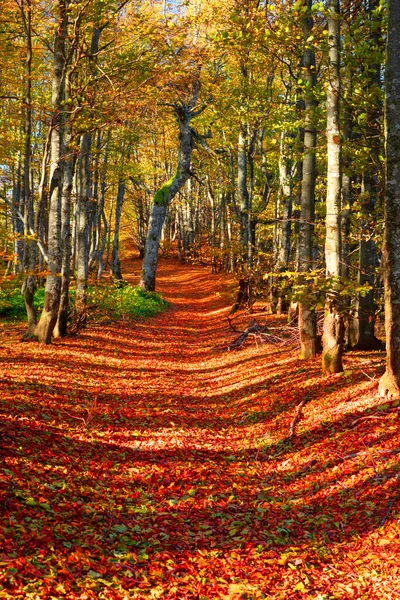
[354, 454]
[261, 334]
[382, 415]
[366, 375]
[297, 416]
[231, 325]
[89, 414]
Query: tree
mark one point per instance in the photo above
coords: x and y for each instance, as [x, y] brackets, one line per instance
[389, 384]
[48, 318]
[184, 112]
[333, 332]
[307, 323]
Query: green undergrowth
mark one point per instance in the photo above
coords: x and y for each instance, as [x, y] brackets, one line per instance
[104, 301]
[119, 302]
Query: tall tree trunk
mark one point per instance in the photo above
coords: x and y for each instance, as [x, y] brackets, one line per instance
[212, 237]
[18, 224]
[102, 235]
[115, 266]
[389, 384]
[333, 332]
[40, 226]
[48, 318]
[84, 180]
[30, 248]
[185, 113]
[307, 321]
[284, 218]
[99, 195]
[363, 325]
[242, 190]
[82, 228]
[60, 329]
[286, 186]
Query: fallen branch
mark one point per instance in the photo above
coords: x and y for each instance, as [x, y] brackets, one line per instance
[369, 377]
[297, 416]
[364, 452]
[231, 325]
[89, 414]
[260, 333]
[382, 415]
[253, 328]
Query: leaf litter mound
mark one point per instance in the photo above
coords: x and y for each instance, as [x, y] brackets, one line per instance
[137, 461]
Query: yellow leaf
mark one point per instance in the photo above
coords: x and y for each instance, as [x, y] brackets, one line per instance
[300, 587]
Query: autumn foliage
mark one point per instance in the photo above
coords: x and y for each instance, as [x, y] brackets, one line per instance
[142, 459]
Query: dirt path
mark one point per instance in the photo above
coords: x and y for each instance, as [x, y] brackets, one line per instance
[140, 461]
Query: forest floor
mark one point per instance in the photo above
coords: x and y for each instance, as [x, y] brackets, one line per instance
[146, 460]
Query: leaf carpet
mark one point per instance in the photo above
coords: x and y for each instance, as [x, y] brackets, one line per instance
[141, 460]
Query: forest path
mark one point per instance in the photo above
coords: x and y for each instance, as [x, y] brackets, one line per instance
[143, 460]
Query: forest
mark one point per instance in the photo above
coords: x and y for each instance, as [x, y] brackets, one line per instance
[199, 290]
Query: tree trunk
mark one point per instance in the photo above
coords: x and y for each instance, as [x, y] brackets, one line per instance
[30, 248]
[213, 236]
[115, 266]
[60, 329]
[242, 191]
[333, 332]
[163, 197]
[101, 175]
[82, 228]
[48, 319]
[363, 325]
[285, 177]
[18, 224]
[389, 384]
[40, 226]
[307, 321]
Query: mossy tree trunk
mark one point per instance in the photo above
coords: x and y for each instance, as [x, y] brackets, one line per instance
[184, 112]
[389, 385]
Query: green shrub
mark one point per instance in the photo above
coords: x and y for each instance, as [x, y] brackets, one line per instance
[123, 301]
[12, 304]
[111, 301]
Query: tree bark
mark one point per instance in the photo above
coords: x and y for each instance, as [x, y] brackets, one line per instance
[242, 191]
[363, 325]
[333, 331]
[115, 266]
[60, 329]
[286, 186]
[48, 318]
[162, 199]
[389, 384]
[30, 248]
[17, 222]
[307, 321]
[82, 228]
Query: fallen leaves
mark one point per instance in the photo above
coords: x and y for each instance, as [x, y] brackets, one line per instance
[136, 462]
